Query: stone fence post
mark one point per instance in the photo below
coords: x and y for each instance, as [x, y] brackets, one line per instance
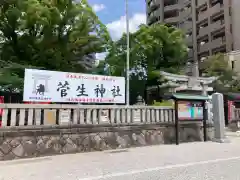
[218, 118]
[140, 101]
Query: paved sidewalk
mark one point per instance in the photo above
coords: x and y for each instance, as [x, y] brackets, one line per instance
[231, 134]
[197, 161]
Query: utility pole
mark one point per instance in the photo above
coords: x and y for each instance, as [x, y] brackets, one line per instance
[128, 54]
[195, 68]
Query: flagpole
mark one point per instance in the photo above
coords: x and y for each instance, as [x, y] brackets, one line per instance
[128, 54]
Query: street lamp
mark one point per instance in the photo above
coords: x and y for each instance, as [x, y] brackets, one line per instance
[128, 54]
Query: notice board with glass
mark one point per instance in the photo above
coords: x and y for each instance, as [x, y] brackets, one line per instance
[190, 110]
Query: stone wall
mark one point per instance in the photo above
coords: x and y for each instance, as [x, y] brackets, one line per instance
[26, 142]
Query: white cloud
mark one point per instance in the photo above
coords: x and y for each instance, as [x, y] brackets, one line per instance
[98, 7]
[118, 27]
[101, 56]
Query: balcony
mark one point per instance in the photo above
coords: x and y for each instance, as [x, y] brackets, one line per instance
[189, 40]
[202, 16]
[213, 27]
[203, 31]
[187, 2]
[171, 7]
[217, 43]
[205, 47]
[216, 26]
[189, 67]
[187, 26]
[201, 2]
[172, 20]
[190, 54]
[154, 7]
[215, 9]
[151, 19]
[185, 14]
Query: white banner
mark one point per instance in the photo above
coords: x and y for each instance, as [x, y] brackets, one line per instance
[53, 86]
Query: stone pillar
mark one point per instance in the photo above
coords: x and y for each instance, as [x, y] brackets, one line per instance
[137, 113]
[140, 101]
[218, 118]
[204, 89]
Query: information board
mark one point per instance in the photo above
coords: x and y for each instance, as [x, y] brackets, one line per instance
[188, 110]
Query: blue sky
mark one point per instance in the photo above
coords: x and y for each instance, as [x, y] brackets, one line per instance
[112, 10]
[111, 13]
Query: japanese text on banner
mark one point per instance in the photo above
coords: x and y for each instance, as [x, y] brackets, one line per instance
[40, 85]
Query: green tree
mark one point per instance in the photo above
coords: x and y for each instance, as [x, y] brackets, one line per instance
[50, 34]
[9, 77]
[100, 69]
[152, 48]
[218, 66]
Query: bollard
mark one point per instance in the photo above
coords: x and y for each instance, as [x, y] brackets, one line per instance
[218, 118]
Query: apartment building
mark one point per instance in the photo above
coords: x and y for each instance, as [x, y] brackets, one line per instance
[211, 26]
[233, 59]
[88, 61]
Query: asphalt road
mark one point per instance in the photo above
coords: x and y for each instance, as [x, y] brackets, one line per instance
[191, 161]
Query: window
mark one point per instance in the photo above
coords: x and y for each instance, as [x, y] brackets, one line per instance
[189, 19]
[214, 2]
[233, 65]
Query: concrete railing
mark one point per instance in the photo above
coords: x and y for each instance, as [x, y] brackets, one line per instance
[41, 114]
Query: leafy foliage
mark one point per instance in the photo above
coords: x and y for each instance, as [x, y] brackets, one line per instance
[100, 69]
[52, 34]
[163, 103]
[9, 77]
[217, 65]
[152, 48]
